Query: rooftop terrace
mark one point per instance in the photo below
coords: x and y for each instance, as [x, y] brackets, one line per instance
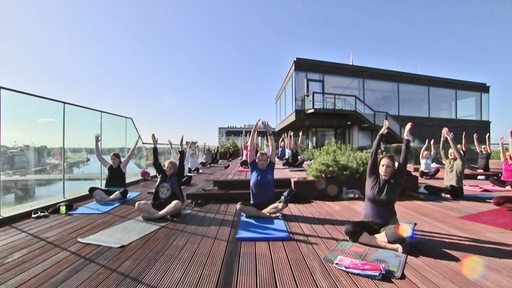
[200, 249]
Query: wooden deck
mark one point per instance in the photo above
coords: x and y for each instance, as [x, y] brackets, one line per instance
[200, 250]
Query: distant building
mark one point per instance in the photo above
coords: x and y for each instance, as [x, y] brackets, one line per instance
[234, 133]
[348, 103]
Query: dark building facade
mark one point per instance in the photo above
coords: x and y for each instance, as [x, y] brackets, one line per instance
[348, 103]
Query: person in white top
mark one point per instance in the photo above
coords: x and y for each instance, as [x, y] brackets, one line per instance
[426, 160]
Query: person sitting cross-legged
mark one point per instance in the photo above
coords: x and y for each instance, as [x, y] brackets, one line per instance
[506, 163]
[263, 203]
[384, 179]
[426, 160]
[168, 197]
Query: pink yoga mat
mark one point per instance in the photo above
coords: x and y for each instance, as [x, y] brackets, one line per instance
[485, 188]
[494, 188]
[242, 169]
[499, 217]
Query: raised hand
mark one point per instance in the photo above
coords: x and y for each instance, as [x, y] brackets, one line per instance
[155, 140]
[385, 126]
[407, 130]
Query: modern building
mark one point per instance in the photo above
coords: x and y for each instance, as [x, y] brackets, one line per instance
[234, 133]
[348, 103]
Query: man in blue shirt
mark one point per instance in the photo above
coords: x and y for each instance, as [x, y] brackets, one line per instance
[262, 167]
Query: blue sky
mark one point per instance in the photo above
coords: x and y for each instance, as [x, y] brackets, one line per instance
[188, 67]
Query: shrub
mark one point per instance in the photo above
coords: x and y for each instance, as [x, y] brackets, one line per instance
[336, 159]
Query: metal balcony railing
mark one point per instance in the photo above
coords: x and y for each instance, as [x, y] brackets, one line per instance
[332, 101]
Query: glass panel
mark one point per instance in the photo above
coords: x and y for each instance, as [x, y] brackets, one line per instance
[318, 99]
[324, 135]
[343, 85]
[289, 97]
[381, 95]
[468, 105]
[137, 162]
[300, 89]
[113, 139]
[330, 101]
[413, 100]
[340, 135]
[31, 143]
[282, 105]
[442, 102]
[485, 106]
[315, 76]
[81, 164]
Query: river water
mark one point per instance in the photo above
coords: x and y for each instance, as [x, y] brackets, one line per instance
[52, 190]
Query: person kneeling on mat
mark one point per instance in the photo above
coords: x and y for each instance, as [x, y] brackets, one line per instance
[262, 167]
[168, 197]
[379, 226]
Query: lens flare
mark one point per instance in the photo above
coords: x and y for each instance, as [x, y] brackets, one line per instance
[472, 267]
[405, 230]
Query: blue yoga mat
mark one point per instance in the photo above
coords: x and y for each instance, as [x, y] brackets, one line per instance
[262, 229]
[101, 207]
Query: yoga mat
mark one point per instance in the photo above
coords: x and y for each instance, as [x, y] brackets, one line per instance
[262, 229]
[124, 233]
[242, 169]
[498, 217]
[101, 207]
[494, 188]
[473, 188]
[482, 196]
[394, 261]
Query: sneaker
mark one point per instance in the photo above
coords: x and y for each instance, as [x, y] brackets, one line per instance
[124, 193]
[227, 166]
[287, 196]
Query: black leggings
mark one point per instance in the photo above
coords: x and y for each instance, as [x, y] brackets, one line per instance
[500, 183]
[455, 192]
[430, 174]
[107, 191]
[354, 231]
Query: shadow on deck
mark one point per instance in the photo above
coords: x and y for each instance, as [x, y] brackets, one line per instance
[200, 249]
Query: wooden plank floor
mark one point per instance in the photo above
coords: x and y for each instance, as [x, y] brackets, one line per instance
[200, 249]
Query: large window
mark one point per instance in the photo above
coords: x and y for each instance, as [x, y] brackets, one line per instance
[285, 103]
[381, 95]
[315, 90]
[468, 105]
[343, 85]
[289, 103]
[442, 102]
[485, 106]
[413, 100]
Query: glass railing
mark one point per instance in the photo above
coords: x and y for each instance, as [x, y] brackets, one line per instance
[47, 150]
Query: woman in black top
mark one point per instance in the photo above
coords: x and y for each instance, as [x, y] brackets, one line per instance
[168, 197]
[115, 184]
[379, 226]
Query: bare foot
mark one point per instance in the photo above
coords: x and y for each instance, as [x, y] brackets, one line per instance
[397, 247]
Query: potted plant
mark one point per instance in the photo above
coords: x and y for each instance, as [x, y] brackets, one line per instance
[337, 166]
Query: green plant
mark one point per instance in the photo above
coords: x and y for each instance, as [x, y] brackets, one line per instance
[307, 153]
[336, 159]
[231, 143]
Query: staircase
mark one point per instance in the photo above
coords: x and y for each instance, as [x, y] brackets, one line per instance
[315, 101]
